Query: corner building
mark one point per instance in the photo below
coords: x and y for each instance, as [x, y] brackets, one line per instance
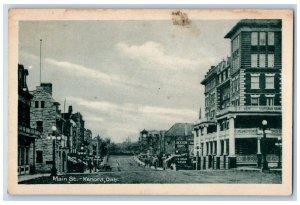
[241, 92]
[45, 113]
[26, 134]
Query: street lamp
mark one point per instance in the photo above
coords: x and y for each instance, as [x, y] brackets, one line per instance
[279, 145]
[81, 153]
[197, 155]
[264, 143]
[144, 140]
[54, 136]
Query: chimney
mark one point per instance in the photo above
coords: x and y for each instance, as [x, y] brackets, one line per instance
[185, 129]
[70, 109]
[47, 87]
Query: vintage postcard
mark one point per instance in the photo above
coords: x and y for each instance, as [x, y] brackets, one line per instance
[150, 102]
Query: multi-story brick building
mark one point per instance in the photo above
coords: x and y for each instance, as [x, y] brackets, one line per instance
[240, 93]
[88, 141]
[45, 114]
[79, 132]
[179, 139]
[26, 134]
[152, 142]
[69, 130]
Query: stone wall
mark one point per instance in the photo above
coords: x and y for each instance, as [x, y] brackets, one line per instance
[48, 116]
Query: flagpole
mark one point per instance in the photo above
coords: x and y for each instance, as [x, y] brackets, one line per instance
[41, 61]
[64, 105]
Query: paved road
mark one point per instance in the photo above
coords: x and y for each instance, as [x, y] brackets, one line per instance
[125, 163]
[126, 170]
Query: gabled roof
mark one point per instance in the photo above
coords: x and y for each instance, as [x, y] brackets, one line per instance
[180, 129]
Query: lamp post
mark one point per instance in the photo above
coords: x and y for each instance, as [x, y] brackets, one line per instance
[54, 136]
[81, 153]
[279, 145]
[264, 143]
[197, 155]
[144, 134]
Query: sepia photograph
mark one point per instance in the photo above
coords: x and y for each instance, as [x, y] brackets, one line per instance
[133, 97]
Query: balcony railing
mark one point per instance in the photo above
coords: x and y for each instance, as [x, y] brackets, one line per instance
[249, 109]
[28, 130]
[224, 133]
[244, 132]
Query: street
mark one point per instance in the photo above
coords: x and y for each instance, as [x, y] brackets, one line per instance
[126, 170]
[125, 164]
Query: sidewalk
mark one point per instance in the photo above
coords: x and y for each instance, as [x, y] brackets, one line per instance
[143, 164]
[271, 169]
[22, 178]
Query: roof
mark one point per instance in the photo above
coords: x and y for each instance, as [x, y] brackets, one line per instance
[209, 75]
[216, 69]
[180, 129]
[254, 23]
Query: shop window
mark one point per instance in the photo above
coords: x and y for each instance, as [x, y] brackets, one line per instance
[39, 156]
[254, 38]
[254, 60]
[26, 155]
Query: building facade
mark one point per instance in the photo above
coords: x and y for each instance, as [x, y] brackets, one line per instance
[26, 134]
[88, 141]
[152, 142]
[79, 132]
[179, 139]
[240, 93]
[45, 114]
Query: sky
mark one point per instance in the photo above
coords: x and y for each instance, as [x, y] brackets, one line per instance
[124, 76]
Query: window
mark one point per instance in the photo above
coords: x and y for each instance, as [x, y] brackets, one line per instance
[253, 60]
[262, 38]
[36, 104]
[39, 156]
[254, 38]
[39, 126]
[270, 101]
[271, 60]
[42, 104]
[212, 114]
[262, 60]
[255, 100]
[271, 38]
[26, 155]
[235, 43]
[255, 82]
[212, 98]
[269, 82]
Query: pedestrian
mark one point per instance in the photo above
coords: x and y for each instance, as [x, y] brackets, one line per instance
[90, 165]
[95, 165]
